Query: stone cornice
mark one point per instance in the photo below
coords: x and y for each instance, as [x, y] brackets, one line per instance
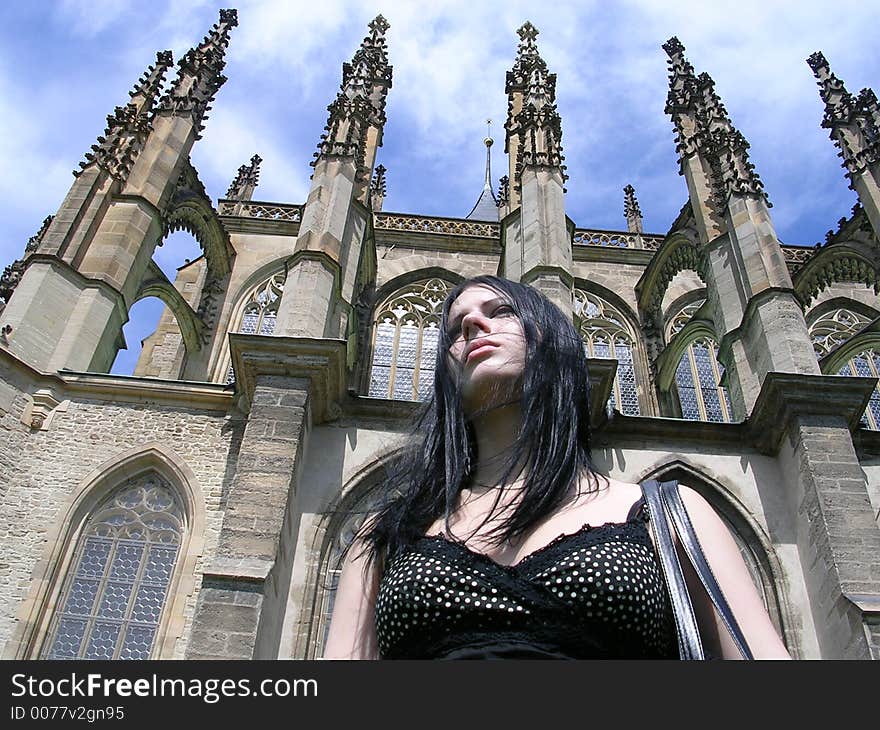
[785, 396]
[566, 276]
[320, 361]
[125, 388]
[623, 429]
[612, 254]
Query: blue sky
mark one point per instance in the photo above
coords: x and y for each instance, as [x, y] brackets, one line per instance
[64, 65]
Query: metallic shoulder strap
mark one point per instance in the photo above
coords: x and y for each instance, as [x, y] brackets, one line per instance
[676, 510]
[689, 644]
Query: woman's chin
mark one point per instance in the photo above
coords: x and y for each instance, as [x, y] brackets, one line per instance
[477, 401]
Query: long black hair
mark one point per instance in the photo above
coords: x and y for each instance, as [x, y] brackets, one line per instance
[554, 445]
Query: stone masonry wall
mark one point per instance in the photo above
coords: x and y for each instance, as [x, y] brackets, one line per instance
[50, 465]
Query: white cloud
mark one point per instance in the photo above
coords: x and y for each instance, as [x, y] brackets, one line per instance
[450, 59]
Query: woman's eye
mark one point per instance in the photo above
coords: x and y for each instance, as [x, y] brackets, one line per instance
[503, 309]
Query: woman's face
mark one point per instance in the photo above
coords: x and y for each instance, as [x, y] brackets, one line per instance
[488, 347]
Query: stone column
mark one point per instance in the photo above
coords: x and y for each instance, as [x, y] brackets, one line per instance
[288, 385]
[806, 421]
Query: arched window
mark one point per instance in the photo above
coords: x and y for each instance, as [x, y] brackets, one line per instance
[698, 376]
[260, 312]
[113, 595]
[331, 577]
[834, 328]
[605, 333]
[867, 365]
[405, 337]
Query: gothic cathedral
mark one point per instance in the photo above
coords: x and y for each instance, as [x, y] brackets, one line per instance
[199, 508]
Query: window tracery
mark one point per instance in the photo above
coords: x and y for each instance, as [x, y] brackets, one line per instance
[260, 312]
[606, 334]
[405, 332]
[112, 599]
[833, 329]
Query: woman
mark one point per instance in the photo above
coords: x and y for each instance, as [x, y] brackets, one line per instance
[505, 542]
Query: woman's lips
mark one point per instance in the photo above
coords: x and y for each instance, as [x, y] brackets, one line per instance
[483, 348]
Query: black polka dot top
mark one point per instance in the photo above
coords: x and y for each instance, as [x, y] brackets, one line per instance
[595, 593]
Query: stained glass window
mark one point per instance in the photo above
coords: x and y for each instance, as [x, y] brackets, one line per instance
[698, 376]
[260, 312]
[118, 581]
[698, 380]
[405, 338]
[605, 333]
[866, 365]
[833, 329]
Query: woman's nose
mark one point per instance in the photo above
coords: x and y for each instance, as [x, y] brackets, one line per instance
[474, 324]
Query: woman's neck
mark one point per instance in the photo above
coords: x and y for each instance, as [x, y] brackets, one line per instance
[496, 432]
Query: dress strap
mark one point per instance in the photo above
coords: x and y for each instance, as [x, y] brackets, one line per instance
[637, 510]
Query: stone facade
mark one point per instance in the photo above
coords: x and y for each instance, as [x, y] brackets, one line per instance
[260, 398]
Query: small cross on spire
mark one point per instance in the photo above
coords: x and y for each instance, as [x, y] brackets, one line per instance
[527, 32]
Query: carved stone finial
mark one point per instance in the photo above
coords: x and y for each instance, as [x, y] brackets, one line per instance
[199, 74]
[378, 188]
[246, 180]
[632, 211]
[379, 25]
[817, 62]
[229, 17]
[673, 47]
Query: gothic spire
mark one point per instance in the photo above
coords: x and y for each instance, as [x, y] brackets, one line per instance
[632, 211]
[532, 115]
[246, 180]
[486, 207]
[853, 122]
[703, 125]
[369, 71]
[360, 103]
[129, 125]
[199, 74]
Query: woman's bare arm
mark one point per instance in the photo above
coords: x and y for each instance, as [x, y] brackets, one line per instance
[352, 626]
[733, 576]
